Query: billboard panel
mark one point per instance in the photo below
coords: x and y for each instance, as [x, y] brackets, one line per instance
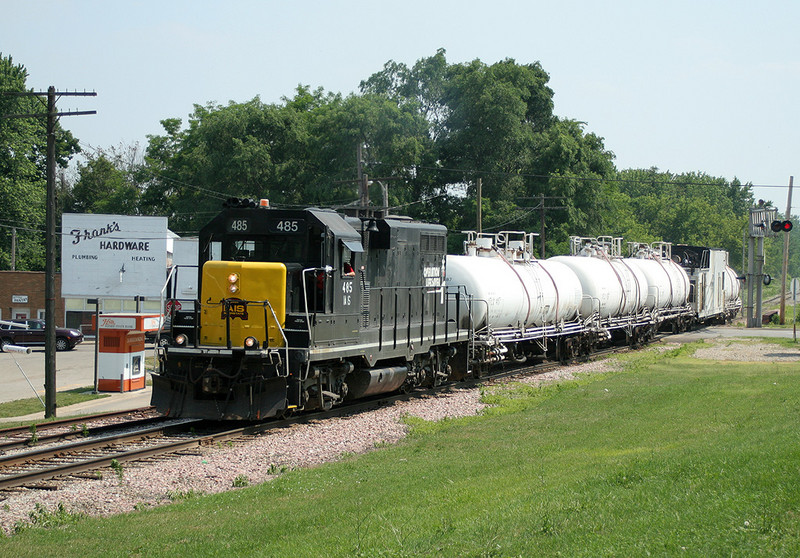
[112, 255]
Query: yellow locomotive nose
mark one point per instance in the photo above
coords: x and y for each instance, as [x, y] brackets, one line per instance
[243, 293]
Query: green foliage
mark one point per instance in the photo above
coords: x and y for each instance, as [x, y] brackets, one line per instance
[434, 129]
[684, 209]
[22, 407]
[176, 495]
[23, 169]
[496, 122]
[42, 517]
[34, 435]
[241, 481]
[117, 467]
[110, 182]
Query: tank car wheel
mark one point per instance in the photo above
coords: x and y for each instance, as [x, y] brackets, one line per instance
[566, 350]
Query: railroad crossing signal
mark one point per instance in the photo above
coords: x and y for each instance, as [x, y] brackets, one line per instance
[781, 226]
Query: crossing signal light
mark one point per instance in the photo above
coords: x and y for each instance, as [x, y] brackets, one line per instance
[781, 226]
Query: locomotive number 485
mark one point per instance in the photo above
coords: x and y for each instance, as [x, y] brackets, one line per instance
[347, 289]
[287, 226]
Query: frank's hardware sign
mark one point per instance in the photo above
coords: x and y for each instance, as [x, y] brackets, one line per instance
[113, 255]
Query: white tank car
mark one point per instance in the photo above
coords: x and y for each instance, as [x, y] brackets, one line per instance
[731, 286]
[610, 286]
[516, 294]
[513, 290]
[668, 283]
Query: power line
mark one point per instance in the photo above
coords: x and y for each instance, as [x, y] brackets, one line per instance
[596, 178]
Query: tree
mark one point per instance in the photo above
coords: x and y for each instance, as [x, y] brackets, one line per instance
[23, 171]
[103, 188]
[496, 122]
[690, 208]
[300, 152]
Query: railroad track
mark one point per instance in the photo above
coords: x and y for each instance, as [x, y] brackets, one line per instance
[19, 436]
[33, 439]
[84, 458]
[36, 465]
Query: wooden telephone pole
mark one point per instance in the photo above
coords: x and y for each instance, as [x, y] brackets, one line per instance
[50, 236]
[542, 207]
[788, 216]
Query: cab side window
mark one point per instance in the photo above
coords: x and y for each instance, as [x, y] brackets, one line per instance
[347, 263]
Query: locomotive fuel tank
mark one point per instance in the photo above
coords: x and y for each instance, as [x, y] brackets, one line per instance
[516, 293]
[610, 287]
[668, 283]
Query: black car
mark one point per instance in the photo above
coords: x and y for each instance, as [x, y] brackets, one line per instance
[27, 333]
[164, 336]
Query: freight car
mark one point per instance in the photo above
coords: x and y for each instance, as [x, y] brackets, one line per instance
[304, 309]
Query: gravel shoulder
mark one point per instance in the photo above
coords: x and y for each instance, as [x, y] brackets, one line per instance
[214, 469]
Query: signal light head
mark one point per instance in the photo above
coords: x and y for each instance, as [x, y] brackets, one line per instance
[781, 226]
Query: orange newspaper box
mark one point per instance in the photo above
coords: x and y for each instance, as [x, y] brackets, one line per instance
[120, 359]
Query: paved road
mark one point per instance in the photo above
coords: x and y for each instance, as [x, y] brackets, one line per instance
[74, 369]
[711, 332]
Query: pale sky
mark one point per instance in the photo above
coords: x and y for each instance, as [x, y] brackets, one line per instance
[710, 86]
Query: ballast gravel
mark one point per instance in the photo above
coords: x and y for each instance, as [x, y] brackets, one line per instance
[259, 459]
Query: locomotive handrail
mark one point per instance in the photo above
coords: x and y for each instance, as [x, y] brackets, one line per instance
[280, 329]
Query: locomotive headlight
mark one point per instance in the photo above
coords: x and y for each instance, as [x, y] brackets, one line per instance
[233, 280]
[251, 343]
[180, 340]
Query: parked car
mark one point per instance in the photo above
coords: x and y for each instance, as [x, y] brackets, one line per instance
[164, 337]
[31, 333]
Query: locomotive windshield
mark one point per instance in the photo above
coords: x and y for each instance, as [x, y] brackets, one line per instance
[286, 249]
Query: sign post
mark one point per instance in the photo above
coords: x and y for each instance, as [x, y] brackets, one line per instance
[795, 295]
[96, 302]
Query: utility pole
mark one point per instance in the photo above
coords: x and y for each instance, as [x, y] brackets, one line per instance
[50, 234]
[363, 181]
[13, 248]
[785, 270]
[480, 206]
[542, 207]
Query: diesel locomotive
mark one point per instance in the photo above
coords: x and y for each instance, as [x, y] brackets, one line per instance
[304, 309]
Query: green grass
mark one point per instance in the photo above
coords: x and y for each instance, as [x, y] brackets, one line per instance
[22, 407]
[674, 456]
